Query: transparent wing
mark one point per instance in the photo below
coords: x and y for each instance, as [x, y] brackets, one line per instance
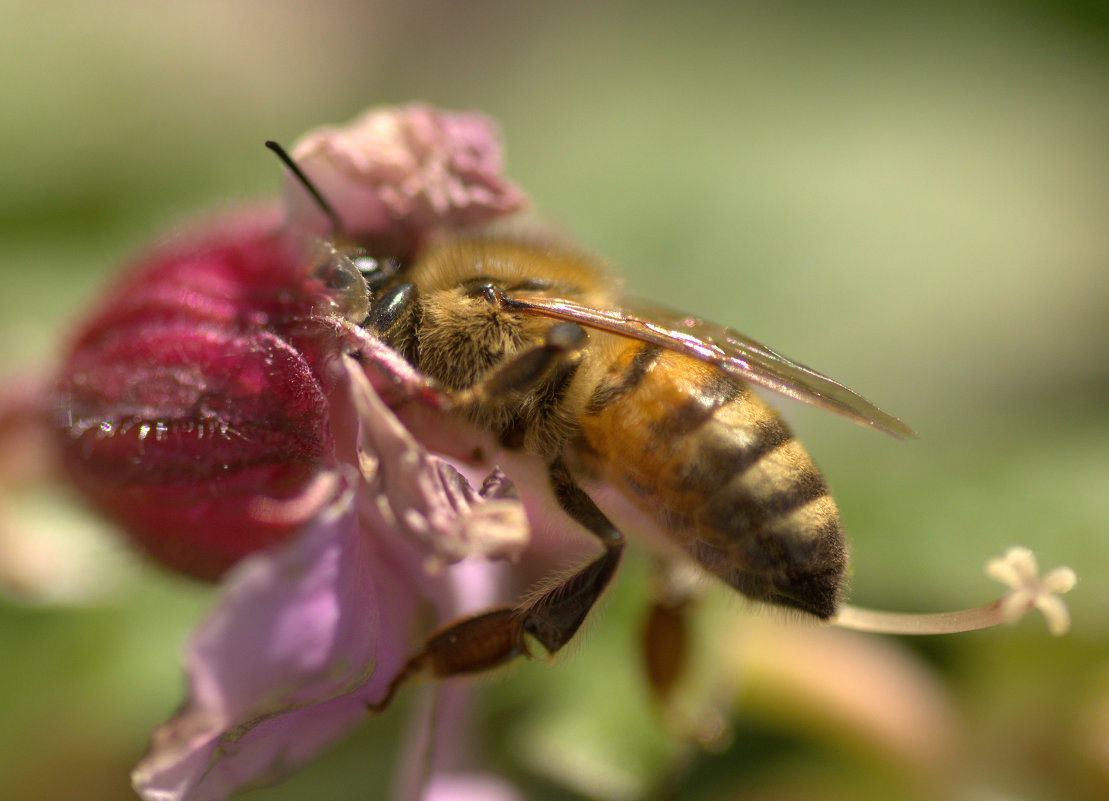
[729, 350]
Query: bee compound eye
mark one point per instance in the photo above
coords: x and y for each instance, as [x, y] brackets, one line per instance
[343, 283]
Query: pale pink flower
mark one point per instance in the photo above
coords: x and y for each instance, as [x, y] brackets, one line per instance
[307, 636]
[403, 168]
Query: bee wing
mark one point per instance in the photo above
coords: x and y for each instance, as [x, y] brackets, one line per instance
[730, 351]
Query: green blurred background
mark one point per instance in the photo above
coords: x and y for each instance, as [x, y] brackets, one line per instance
[911, 198]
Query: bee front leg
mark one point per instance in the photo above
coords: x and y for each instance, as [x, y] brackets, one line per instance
[561, 346]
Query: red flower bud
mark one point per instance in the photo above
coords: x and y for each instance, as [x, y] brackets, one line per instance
[199, 389]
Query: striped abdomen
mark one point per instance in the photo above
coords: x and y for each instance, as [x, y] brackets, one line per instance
[721, 474]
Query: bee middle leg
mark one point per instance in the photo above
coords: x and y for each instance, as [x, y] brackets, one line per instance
[553, 616]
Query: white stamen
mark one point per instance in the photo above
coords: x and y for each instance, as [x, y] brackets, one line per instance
[1017, 569]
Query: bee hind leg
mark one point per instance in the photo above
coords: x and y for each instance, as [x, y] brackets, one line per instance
[552, 616]
[471, 645]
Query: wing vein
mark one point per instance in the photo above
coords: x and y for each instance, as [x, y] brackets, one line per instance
[728, 350]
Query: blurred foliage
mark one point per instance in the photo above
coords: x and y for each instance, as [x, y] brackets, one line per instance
[910, 197]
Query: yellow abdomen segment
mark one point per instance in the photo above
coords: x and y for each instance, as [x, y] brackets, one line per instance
[719, 472]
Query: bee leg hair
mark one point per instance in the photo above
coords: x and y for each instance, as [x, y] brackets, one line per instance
[562, 344]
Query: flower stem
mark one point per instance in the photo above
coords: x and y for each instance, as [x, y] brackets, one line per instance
[859, 619]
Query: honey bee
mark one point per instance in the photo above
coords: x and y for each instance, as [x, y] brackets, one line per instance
[536, 345]
[532, 341]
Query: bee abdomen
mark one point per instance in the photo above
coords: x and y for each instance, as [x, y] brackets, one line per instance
[768, 525]
[725, 478]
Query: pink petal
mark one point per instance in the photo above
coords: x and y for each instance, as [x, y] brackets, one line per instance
[307, 635]
[285, 663]
[469, 787]
[429, 499]
[398, 168]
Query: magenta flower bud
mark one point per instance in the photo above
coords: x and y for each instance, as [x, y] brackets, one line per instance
[199, 386]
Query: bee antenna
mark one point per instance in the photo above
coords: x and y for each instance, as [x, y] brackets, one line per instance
[321, 201]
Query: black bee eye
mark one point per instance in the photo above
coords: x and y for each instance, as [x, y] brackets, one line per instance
[392, 314]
